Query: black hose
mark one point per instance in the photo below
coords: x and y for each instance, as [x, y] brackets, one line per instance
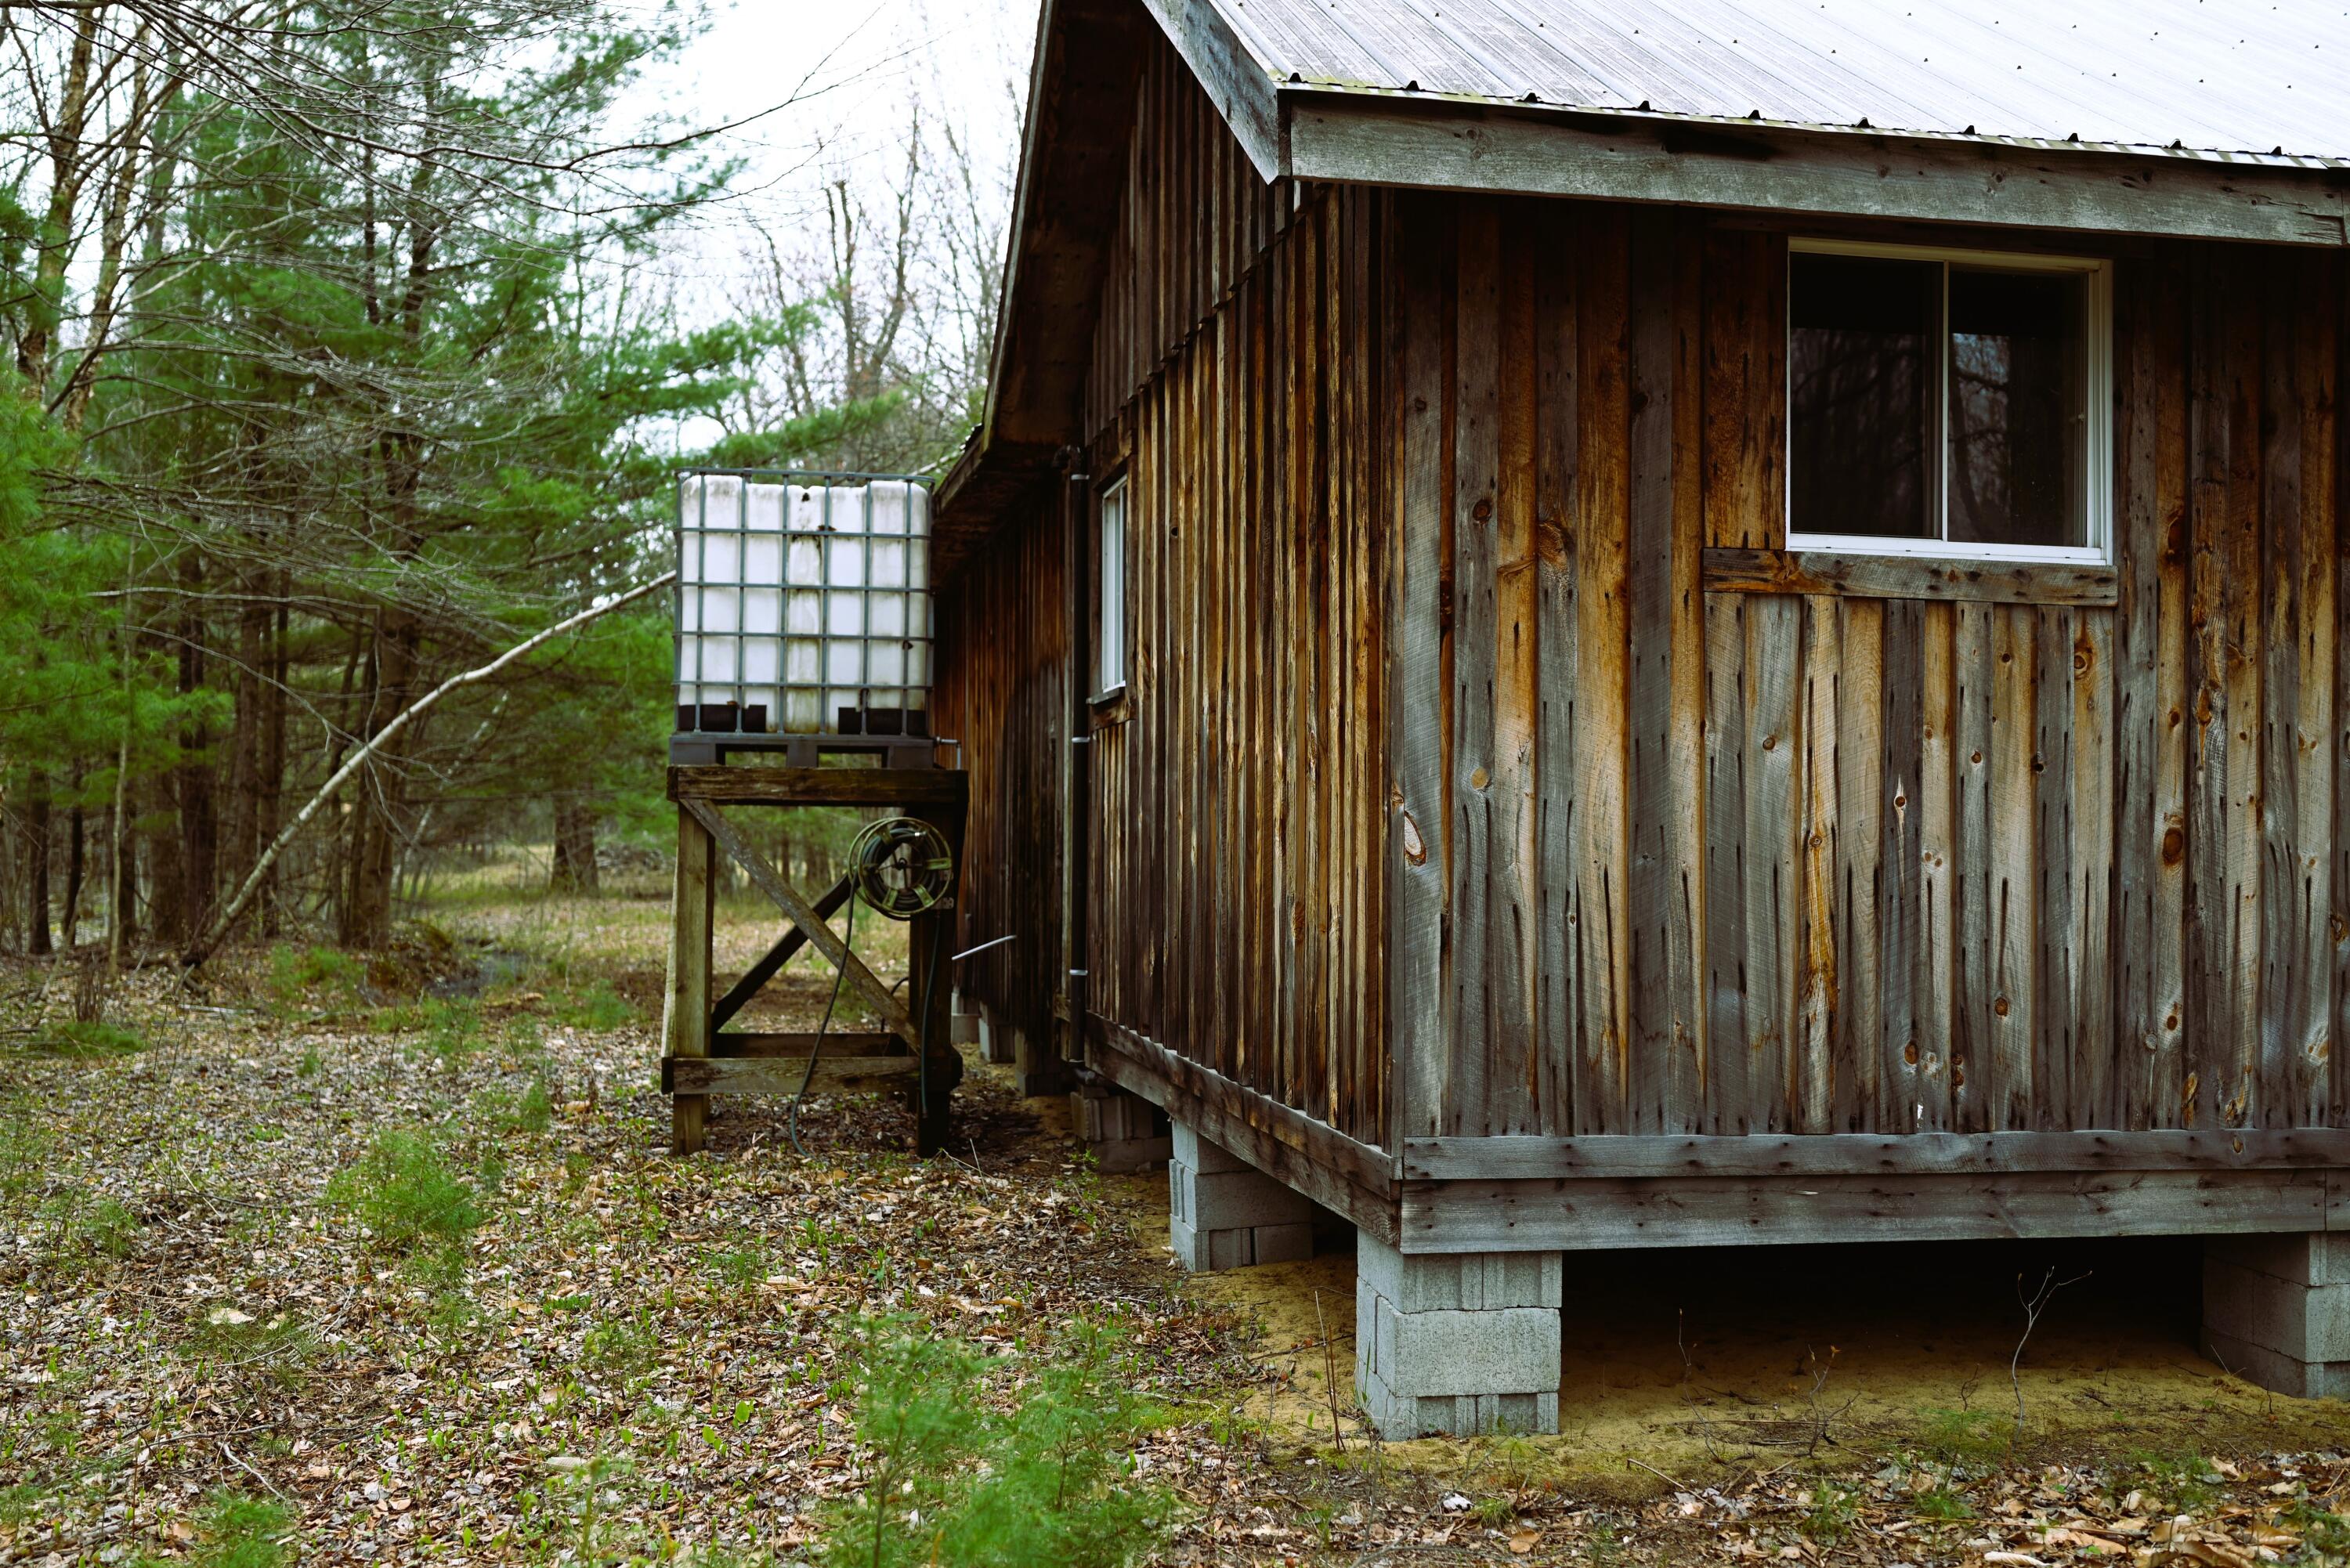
[839, 973]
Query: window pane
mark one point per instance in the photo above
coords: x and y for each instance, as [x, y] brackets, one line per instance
[1109, 635]
[1863, 341]
[2019, 410]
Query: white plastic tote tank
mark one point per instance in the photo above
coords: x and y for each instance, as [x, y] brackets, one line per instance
[803, 607]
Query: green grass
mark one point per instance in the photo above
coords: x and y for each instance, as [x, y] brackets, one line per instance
[2184, 1479]
[294, 973]
[240, 1532]
[25, 1152]
[742, 1268]
[88, 1042]
[499, 1110]
[452, 1028]
[1967, 1436]
[596, 1009]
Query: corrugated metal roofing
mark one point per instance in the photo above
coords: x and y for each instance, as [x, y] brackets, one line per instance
[2260, 81]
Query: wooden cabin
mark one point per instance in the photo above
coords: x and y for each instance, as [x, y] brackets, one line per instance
[1596, 627]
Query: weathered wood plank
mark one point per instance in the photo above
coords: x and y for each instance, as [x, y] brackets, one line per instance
[1901, 895]
[2310, 1037]
[1865, 1153]
[1475, 1217]
[1813, 1069]
[1940, 1032]
[1602, 826]
[1975, 990]
[1471, 1025]
[1729, 1093]
[1773, 571]
[685, 1023]
[1513, 887]
[2096, 1042]
[1772, 890]
[1362, 138]
[1651, 896]
[1418, 875]
[756, 785]
[2013, 884]
[2055, 654]
[1864, 921]
[772, 961]
[1557, 437]
[1270, 1135]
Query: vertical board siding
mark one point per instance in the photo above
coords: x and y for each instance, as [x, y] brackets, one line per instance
[1002, 692]
[1240, 801]
[1739, 862]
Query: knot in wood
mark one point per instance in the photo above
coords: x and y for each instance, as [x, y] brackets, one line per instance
[1483, 510]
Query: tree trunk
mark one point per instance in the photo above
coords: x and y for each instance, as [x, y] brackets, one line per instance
[199, 864]
[73, 868]
[575, 849]
[375, 845]
[269, 793]
[36, 866]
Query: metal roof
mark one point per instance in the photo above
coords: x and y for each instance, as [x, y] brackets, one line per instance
[2263, 82]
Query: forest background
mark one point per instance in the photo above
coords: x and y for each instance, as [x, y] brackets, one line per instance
[348, 344]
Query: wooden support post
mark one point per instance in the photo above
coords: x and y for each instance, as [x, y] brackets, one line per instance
[692, 906]
[929, 946]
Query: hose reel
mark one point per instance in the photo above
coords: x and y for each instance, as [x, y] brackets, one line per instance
[900, 867]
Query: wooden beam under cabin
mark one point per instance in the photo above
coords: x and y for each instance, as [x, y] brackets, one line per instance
[1872, 1154]
[1577, 1214]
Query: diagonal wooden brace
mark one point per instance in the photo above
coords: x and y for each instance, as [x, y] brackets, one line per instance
[782, 953]
[771, 882]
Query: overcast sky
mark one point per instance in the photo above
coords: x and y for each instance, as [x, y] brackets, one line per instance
[857, 63]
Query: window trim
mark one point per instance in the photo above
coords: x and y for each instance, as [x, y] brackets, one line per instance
[2098, 424]
[1105, 691]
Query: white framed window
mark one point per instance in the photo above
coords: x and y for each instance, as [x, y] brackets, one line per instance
[1948, 402]
[1109, 594]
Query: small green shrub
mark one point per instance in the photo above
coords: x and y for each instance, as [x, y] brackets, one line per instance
[954, 1482]
[595, 1010]
[1835, 1508]
[25, 1152]
[626, 1345]
[242, 1532]
[1943, 1502]
[502, 1111]
[88, 1227]
[452, 1028]
[293, 974]
[88, 1042]
[403, 1190]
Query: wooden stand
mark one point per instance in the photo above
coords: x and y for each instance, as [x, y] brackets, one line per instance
[914, 1053]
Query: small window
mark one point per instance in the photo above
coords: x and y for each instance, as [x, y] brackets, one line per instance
[1109, 627]
[1947, 402]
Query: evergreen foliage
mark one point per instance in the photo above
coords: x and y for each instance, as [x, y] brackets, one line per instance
[1039, 1476]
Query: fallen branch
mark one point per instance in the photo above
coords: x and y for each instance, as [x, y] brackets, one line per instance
[214, 934]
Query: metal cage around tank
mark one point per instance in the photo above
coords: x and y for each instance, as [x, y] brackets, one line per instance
[802, 606]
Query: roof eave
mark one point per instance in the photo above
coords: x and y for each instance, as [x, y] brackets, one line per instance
[1354, 135]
